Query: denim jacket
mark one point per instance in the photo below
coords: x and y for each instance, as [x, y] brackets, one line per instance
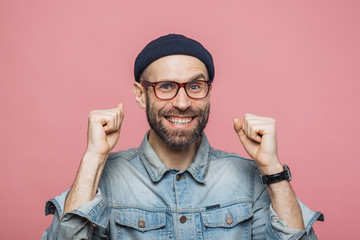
[219, 196]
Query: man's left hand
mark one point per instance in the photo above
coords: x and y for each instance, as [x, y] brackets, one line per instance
[258, 136]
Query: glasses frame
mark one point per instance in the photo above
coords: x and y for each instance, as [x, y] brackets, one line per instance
[145, 83]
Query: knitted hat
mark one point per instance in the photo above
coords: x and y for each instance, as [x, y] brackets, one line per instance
[172, 44]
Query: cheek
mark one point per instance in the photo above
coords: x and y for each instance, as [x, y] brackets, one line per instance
[158, 108]
[204, 106]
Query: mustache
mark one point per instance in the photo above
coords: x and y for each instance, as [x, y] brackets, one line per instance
[178, 112]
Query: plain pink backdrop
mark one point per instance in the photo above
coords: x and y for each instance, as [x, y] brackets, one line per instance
[297, 61]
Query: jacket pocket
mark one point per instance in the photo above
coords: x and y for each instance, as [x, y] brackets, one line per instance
[136, 223]
[228, 222]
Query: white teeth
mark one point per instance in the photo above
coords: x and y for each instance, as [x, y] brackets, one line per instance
[179, 121]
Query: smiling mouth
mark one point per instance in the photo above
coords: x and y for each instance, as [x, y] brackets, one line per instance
[180, 121]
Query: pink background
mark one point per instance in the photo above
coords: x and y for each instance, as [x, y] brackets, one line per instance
[297, 61]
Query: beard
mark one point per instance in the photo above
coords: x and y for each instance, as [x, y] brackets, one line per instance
[177, 138]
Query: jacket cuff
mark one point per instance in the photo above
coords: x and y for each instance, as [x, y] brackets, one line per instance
[280, 230]
[95, 211]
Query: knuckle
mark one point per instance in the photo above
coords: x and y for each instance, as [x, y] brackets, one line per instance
[250, 121]
[273, 122]
[251, 129]
[91, 115]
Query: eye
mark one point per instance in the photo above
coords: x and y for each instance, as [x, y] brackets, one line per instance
[195, 86]
[166, 86]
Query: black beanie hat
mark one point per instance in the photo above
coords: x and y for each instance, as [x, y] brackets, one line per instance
[172, 44]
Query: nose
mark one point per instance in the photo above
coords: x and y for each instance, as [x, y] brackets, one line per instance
[181, 100]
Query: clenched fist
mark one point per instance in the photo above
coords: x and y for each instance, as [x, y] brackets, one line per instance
[103, 134]
[258, 136]
[104, 130]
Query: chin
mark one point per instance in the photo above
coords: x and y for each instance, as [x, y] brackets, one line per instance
[180, 139]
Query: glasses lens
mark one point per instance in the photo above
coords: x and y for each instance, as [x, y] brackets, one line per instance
[166, 90]
[197, 89]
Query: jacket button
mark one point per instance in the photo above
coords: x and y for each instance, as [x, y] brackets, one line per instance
[229, 220]
[178, 177]
[183, 219]
[142, 223]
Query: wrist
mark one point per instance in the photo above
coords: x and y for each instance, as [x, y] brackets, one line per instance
[277, 177]
[272, 169]
[94, 156]
[93, 162]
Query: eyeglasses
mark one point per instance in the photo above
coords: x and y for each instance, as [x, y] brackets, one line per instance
[167, 90]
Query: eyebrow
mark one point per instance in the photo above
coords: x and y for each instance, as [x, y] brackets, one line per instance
[197, 76]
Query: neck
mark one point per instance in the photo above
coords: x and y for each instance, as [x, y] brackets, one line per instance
[173, 158]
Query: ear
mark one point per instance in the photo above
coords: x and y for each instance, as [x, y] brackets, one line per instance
[140, 95]
[210, 89]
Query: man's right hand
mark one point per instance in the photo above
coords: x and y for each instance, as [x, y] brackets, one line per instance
[104, 130]
[103, 134]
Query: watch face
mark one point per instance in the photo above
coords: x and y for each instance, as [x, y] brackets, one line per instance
[288, 173]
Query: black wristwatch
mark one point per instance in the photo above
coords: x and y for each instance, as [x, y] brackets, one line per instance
[278, 177]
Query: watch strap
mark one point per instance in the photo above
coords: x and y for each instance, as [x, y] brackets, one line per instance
[277, 177]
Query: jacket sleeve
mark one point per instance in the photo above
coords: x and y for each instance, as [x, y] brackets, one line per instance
[89, 221]
[268, 225]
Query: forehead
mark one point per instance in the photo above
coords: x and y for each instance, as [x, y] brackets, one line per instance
[180, 68]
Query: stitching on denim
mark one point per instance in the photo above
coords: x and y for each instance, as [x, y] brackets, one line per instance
[107, 191]
[247, 210]
[312, 221]
[273, 231]
[92, 213]
[223, 155]
[206, 169]
[154, 177]
[57, 206]
[160, 216]
[124, 154]
[252, 183]
[173, 209]
[298, 236]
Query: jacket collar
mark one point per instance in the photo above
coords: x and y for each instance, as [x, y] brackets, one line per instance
[156, 169]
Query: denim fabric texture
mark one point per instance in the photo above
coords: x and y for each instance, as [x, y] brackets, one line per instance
[219, 196]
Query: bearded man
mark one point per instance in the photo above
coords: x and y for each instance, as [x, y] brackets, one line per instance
[175, 185]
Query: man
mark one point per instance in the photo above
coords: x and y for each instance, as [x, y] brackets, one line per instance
[175, 186]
